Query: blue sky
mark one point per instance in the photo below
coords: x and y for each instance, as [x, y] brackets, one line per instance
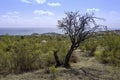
[45, 13]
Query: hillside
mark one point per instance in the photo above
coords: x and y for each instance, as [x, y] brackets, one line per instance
[47, 34]
[32, 58]
[116, 31]
[87, 68]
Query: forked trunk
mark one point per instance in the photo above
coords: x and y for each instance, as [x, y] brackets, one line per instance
[67, 58]
[56, 59]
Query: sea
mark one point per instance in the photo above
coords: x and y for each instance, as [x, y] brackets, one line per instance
[28, 31]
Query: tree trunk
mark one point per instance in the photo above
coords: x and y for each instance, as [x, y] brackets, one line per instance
[67, 58]
[56, 59]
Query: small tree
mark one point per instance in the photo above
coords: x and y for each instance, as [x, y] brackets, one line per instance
[78, 28]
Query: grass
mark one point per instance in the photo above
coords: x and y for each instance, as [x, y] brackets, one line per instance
[88, 68]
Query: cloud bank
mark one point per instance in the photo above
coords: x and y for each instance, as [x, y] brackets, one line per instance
[26, 1]
[92, 10]
[42, 12]
[37, 1]
[40, 1]
[54, 4]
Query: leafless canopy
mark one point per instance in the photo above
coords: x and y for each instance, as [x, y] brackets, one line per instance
[78, 27]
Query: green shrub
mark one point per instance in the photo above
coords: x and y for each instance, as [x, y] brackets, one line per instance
[25, 58]
[53, 72]
[105, 55]
[101, 55]
[89, 46]
[106, 48]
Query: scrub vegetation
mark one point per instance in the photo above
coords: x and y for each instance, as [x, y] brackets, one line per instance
[80, 54]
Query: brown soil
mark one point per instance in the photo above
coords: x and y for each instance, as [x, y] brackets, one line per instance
[87, 68]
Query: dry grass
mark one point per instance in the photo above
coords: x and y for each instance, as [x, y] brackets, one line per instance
[86, 69]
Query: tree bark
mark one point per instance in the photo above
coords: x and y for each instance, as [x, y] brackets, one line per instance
[56, 59]
[67, 58]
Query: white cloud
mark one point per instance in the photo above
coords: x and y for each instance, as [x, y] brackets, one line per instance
[13, 14]
[93, 10]
[54, 4]
[10, 18]
[16, 19]
[26, 1]
[31, 1]
[40, 1]
[42, 12]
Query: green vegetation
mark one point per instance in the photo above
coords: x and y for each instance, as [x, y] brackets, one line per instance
[53, 72]
[105, 47]
[26, 53]
[20, 54]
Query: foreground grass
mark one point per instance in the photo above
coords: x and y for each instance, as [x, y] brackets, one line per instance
[87, 68]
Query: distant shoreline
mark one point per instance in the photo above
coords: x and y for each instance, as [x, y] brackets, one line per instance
[27, 31]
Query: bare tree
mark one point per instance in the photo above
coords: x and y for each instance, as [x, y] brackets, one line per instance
[78, 27]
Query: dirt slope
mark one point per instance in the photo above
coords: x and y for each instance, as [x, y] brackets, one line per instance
[87, 68]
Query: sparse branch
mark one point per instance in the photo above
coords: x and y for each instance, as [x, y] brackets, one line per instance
[78, 27]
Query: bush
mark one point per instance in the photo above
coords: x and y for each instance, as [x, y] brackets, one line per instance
[106, 48]
[89, 46]
[53, 72]
[101, 55]
[25, 57]
[105, 56]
